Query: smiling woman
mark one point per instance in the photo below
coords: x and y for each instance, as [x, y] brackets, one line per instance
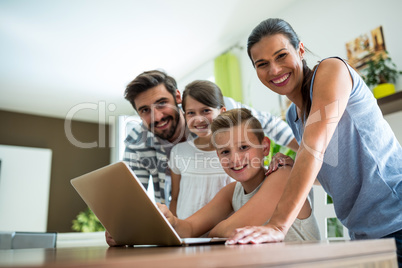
[277, 67]
[331, 105]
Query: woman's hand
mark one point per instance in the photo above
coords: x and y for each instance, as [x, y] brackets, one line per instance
[255, 235]
[279, 160]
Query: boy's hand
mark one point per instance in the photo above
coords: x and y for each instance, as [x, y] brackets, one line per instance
[168, 214]
[110, 241]
[279, 160]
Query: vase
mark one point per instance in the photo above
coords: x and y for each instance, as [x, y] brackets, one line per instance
[383, 90]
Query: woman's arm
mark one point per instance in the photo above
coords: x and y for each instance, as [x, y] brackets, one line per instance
[280, 159]
[331, 91]
[175, 192]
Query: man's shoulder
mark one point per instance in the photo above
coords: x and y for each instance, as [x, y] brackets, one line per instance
[137, 136]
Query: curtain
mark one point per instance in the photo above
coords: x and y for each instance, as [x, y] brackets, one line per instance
[227, 76]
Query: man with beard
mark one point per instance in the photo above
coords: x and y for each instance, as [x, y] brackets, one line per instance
[156, 99]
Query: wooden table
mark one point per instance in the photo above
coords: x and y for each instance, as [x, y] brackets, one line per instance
[370, 253]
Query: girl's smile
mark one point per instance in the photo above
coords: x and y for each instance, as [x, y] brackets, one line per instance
[199, 116]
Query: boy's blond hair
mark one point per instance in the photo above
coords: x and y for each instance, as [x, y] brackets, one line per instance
[236, 117]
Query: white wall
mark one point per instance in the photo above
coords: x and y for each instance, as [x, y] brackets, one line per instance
[24, 188]
[204, 72]
[394, 120]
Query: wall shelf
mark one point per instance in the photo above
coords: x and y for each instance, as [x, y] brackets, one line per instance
[391, 104]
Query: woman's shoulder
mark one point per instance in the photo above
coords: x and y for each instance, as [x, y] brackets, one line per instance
[332, 73]
[332, 63]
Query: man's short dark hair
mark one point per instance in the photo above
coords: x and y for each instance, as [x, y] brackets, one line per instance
[148, 80]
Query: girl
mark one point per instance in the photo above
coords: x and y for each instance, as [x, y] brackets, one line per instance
[344, 140]
[195, 169]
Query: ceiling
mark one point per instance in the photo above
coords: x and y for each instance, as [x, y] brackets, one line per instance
[73, 58]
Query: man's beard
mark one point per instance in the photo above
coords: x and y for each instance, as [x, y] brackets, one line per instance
[169, 133]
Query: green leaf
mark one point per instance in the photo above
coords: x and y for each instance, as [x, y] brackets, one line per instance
[380, 71]
[86, 221]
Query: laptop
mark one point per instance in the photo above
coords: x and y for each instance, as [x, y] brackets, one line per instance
[122, 205]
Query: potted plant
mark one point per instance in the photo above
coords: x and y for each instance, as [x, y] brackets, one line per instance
[380, 74]
[86, 221]
[276, 148]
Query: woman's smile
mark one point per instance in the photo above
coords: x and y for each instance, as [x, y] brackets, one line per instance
[282, 80]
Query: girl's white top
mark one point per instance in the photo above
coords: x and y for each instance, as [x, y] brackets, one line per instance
[202, 176]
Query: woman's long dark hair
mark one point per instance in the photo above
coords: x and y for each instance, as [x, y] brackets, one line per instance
[278, 26]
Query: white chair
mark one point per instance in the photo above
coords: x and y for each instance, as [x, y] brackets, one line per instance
[325, 215]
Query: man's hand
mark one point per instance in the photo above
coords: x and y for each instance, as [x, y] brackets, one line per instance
[255, 235]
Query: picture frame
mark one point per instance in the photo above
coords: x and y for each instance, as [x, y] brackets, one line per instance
[365, 47]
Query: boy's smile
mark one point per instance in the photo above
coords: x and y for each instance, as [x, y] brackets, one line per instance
[241, 155]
